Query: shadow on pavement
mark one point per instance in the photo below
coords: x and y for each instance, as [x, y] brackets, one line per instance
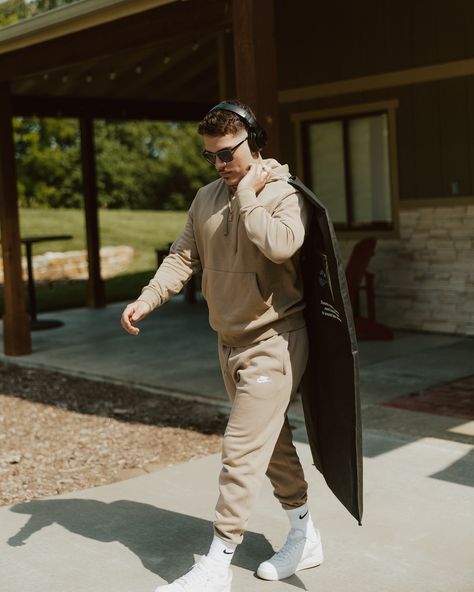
[164, 541]
[460, 472]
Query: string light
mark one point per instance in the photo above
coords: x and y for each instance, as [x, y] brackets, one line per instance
[113, 75]
[138, 68]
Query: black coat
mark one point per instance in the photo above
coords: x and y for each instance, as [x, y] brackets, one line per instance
[330, 387]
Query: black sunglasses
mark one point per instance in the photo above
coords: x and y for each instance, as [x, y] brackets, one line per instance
[226, 154]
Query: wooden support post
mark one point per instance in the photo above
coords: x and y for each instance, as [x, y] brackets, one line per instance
[16, 322]
[95, 284]
[221, 66]
[256, 64]
[226, 65]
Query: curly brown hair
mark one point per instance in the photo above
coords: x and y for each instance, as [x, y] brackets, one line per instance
[221, 122]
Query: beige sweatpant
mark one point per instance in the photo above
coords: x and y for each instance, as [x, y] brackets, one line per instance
[261, 380]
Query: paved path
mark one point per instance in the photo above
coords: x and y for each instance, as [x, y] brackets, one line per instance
[130, 536]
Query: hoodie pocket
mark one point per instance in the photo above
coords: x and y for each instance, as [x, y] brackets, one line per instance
[234, 300]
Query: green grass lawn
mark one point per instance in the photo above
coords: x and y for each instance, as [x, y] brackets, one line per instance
[143, 230]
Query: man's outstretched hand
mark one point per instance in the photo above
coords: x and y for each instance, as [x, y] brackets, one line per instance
[133, 313]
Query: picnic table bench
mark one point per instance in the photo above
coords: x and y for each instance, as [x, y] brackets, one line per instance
[29, 241]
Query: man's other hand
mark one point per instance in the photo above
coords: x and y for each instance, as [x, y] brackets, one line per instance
[255, 179]
[133, 313]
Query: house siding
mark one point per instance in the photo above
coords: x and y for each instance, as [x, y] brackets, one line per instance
[424, 278]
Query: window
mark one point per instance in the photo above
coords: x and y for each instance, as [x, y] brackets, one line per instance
[347, 163]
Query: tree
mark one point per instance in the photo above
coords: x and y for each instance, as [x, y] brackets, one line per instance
[12, 11]
[140, 165]
[48, 166]
[149, 165]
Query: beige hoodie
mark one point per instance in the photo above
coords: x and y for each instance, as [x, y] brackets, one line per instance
[248, 249]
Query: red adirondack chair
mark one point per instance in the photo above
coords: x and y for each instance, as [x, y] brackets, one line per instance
[359, 279]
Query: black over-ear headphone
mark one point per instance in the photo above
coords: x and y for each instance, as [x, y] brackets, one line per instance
[257, 136]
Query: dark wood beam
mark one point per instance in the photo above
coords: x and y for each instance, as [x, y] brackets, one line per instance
[256, 65]
[16, 322]
[28, 106]
[185, 79]
[207, 87]
[226, 65]
[166, 25]
[122, 63]
[222, 65]
[95, 284]
[155, 67]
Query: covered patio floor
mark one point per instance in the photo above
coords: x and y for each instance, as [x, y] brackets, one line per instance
[175, 353]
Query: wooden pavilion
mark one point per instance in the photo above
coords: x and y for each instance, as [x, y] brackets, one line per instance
[371, 103]
[116, 59]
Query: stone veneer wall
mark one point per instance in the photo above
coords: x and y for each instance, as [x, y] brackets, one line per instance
[425, 279]
[72, 265]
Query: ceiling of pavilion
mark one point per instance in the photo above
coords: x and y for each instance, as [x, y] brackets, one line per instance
[165, 54]
[154, 73]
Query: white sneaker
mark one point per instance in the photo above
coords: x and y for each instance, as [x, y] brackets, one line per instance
[298, 552]
[205, 576]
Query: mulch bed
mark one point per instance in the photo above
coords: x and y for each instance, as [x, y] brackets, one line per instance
[455, 399]
[60, 433]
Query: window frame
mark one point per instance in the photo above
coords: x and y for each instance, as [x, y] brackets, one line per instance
[302, 122]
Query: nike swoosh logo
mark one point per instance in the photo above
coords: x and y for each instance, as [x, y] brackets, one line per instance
[228, 552]
[301, 517]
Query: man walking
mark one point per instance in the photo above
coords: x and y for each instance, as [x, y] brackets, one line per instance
[245, 231]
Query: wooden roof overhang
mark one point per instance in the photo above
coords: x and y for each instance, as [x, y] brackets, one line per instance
[158, 63]
[116, 59]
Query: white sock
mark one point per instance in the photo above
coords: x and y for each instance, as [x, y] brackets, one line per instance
[300, 519]
[221, 551]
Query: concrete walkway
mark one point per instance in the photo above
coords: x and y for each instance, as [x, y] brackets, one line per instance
[131, 536]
